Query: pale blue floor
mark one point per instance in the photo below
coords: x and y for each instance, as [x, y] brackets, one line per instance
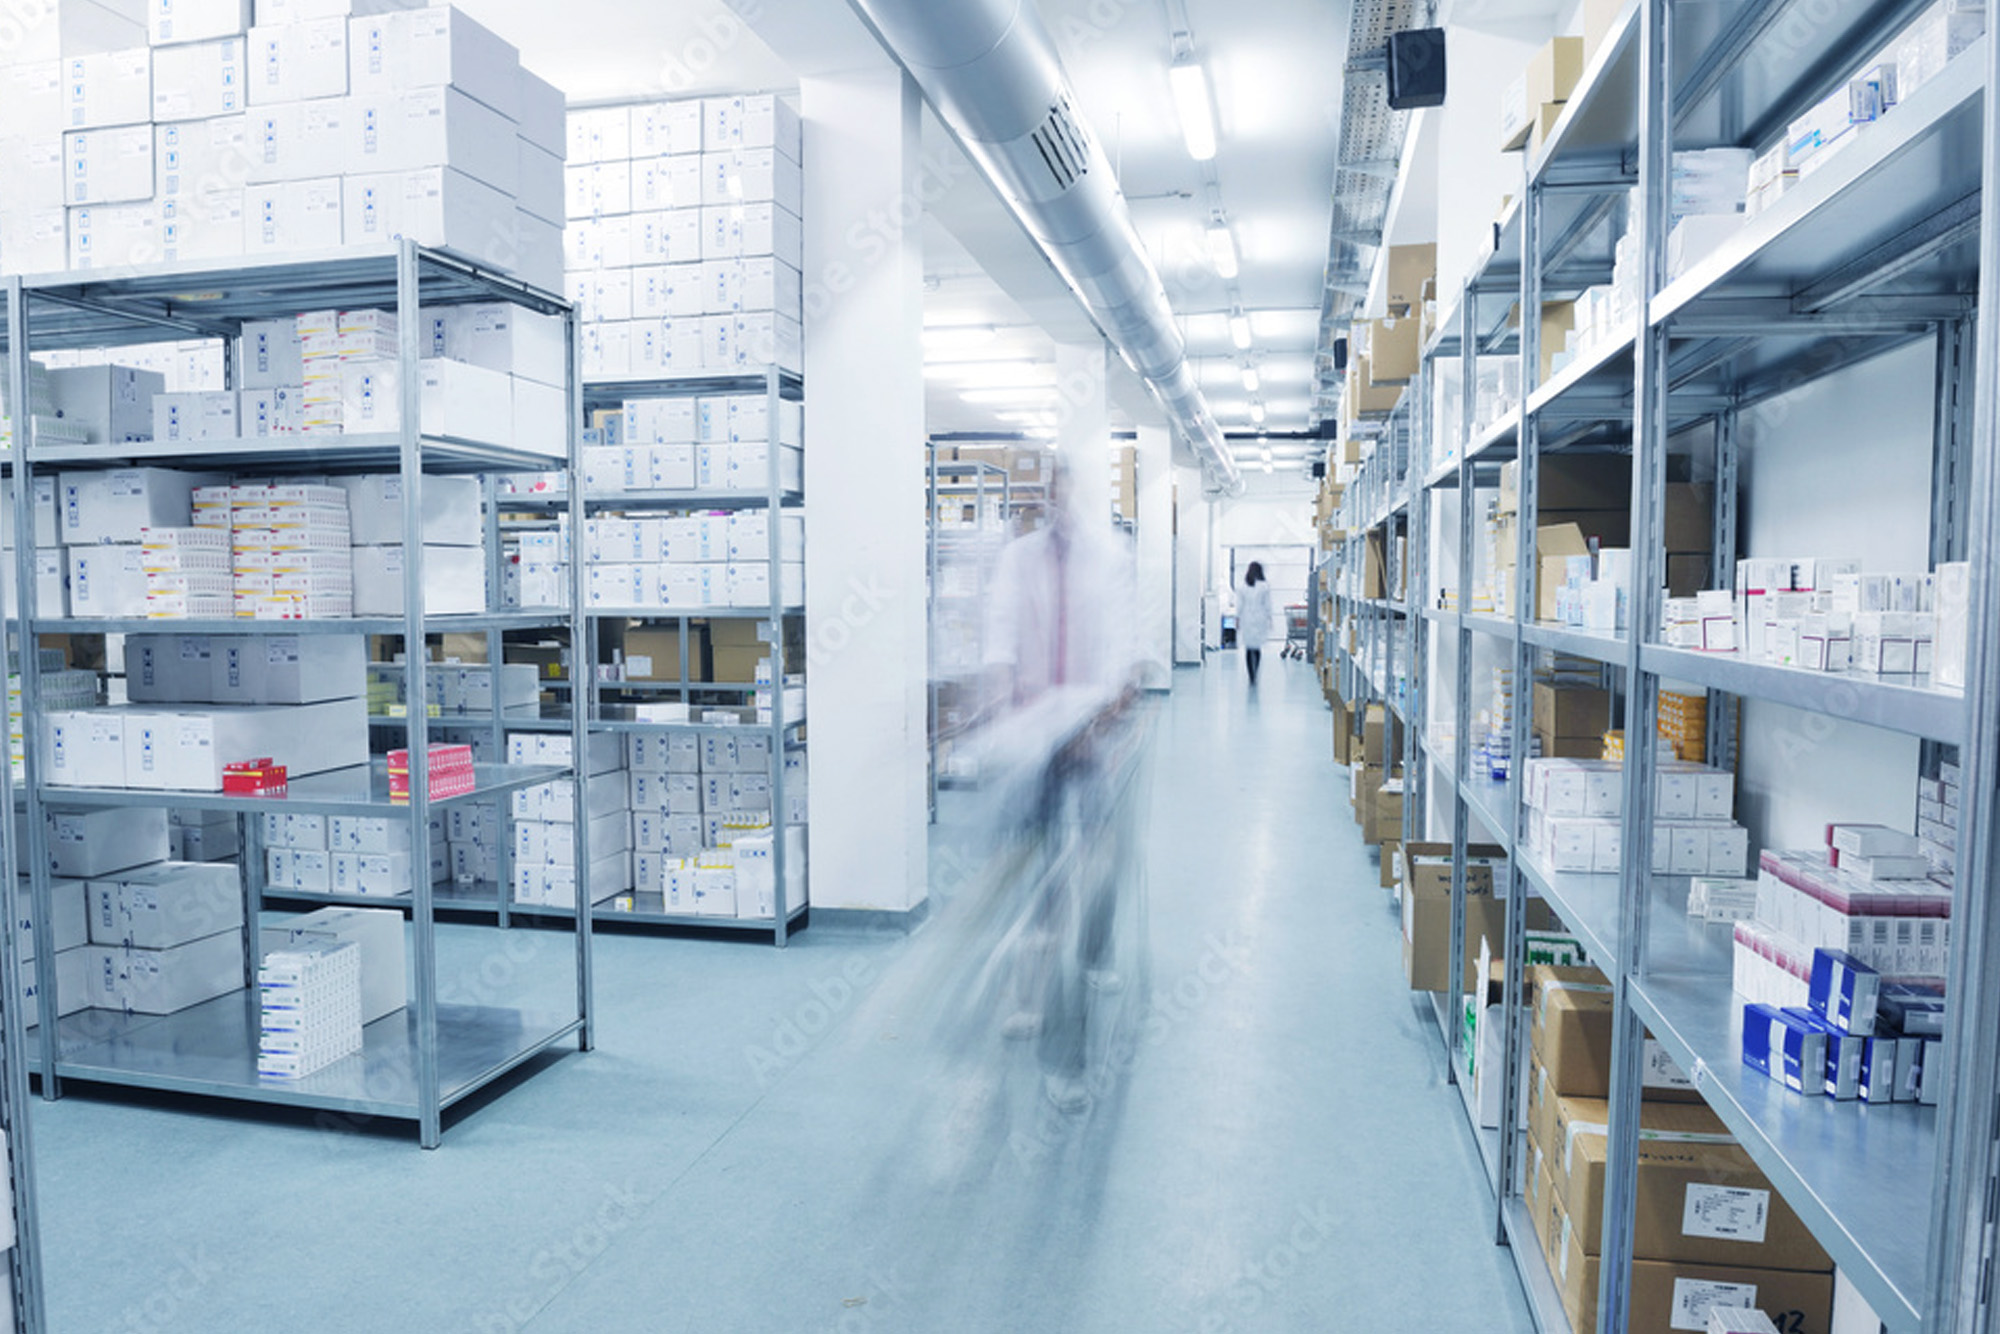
[1283, 1155]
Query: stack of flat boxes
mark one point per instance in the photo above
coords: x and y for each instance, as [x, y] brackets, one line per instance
[1575, 824]
[101, 521]
[198, 703]
[206, 139]
[365, 856]
[288, 543]
[64, 690]
[70, 931]
[476, 842]
[544, 831]
[684, 246]
[695, 797]
[1937, 822]
[694, 561]
[203, 836]
[454, 561]
[309, 1008]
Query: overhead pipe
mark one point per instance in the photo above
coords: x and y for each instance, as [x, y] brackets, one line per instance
[992, 73]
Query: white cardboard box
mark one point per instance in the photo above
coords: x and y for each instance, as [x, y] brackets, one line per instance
[165, 981]
[113, 405]
[186, 750]
[111, 88]
[107, 582]
[169, 21]
[454, 581]
[437, 207]
[103, 236]
[84, 748]
[298, 141]
[69, 916]
[662, 128]
[543, 114]
[87, 844]
[287, 669]
[202, 158]
[199, 80]
[407, 130]
[166, 904]
[426, 48]
[271, 355]
[109, 166]
[297, 62]
[450, 510]
[71, 980]
[376, 932]
[292, 215]
[500, 336]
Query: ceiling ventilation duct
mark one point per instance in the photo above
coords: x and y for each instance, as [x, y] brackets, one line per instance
[993, 74]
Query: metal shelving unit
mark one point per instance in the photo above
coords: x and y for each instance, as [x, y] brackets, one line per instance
[647, 906]
[433, 1053]
[976, 480]
[1879, 247]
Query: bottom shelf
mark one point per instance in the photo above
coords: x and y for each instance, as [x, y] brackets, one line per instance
[211, 1050]
[1538, 1284]
[483, 897]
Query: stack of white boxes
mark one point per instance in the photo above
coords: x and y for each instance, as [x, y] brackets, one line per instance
[1937, 822]
[70, 931]
[476, 841]
[63, 690]
[363, 856]
[378, 933]
[101, 519]
[310, 1008]
[454, 558]
[544, 831]
[288, 544]
[1827, 615]
[702, 809]
[684, 246]
[203, 836]
[208, 140]
[1575, 825]
[692, 561]
[164, 936]
[85, 846]
[718, 442]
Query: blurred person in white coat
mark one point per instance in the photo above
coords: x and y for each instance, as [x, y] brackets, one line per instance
[1253, 617]
[1063, 661]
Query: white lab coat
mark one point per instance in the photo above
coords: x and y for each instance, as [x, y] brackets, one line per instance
[1253, 615]
[1061, 614]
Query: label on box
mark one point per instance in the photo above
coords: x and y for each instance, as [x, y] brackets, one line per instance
[1695, 1297]
[1732, 1213]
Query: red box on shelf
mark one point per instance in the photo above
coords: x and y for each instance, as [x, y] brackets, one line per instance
[254, 778]
[451, 772]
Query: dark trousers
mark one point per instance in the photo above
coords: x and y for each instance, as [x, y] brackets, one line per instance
[1255, 658]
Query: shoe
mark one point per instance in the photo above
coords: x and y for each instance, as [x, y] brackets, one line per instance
[1107, 980]
[1066, 1092]
[1021, 1025]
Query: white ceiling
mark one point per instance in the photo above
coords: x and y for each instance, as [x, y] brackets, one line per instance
[1273, 68]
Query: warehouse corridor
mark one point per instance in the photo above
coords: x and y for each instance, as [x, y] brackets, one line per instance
[753, 1147]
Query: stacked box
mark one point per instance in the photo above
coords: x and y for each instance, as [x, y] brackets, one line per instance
[544, 830]
[102, 519]
[684, 248]
[1575, 825]
[310, 1008]
[476, 842]
[693, 561]
[308, 132]
[1683, 724]
[187, 572]
[203, 836]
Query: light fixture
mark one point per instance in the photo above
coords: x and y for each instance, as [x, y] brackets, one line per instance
[1190, 88]
[1222, 250]
[958, 337]
[1023, 396]
[1257, 413]
[1267, 452]
[1014, 374]
[1239, 330]
[1251, 380]
[1268, 467]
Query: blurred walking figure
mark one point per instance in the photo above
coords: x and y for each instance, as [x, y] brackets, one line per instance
[1253, 617]
[1065, 676]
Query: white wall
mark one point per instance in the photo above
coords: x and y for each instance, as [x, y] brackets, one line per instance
[1191, 521]
[1156, 552]
[1839, 468]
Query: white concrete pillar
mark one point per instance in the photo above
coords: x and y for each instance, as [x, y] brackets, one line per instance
[866, 623]
[1190, 565]
[1083, 427]
[1156, 553]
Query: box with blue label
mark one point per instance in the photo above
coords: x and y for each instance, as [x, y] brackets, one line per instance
[1842, 1076]
[1844, 991]
[1786, 1046]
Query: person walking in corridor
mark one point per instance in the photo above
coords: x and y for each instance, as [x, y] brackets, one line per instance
[1253, 617]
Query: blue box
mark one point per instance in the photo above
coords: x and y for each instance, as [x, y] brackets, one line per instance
[1842, 1074]
[1880, 1062]
[1789, 1048]
[1844, 991]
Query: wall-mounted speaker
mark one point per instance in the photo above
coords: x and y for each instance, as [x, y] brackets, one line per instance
[1416, 69]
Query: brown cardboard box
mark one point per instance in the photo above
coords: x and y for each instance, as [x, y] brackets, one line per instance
[1690, 516]
[1678, 1179]
[1687, 574]
[1611, 528]
[1547, 1215]
[1598, 16]
[1410, 268]
[455, 647]
[1393, 351]
[1558, 318]
[1427, 913]
[1570, 1033]
[1343, 731]
[1799, 1300]
[1571, 747]
[1385, 821]
[1364, 396]
[1576, 1119]
[1584, 482]
[1390, 852]
[1546, 116]
[1571, 711]
[1553, 72]
[1374, 567]
[653, 653]
[1381, 738]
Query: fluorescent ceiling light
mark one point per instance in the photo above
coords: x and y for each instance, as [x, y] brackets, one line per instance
[1190, 87]
[1267, 453]
[1239, 331]
[1251, 380]
[1222, 251]
[958, 337]
[1257, 413]
[1268, 469]
[1020, 374]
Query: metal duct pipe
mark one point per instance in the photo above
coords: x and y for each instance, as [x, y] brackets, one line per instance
[993, 74]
